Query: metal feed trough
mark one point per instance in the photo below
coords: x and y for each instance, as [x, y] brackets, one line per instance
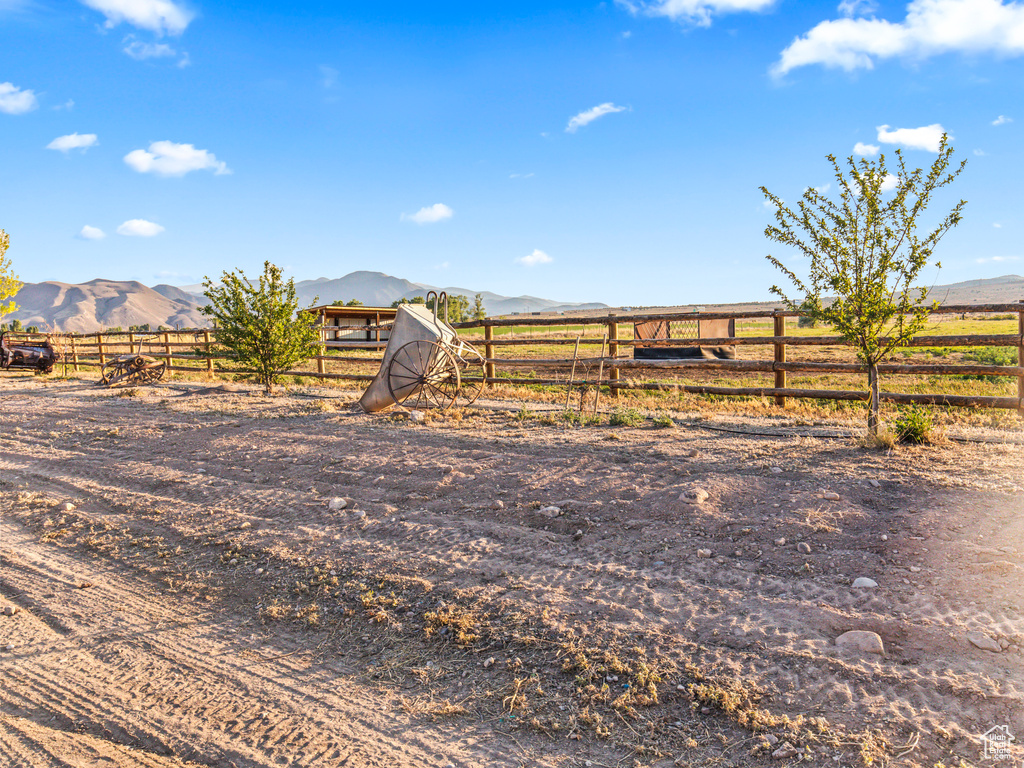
[425, 364]
[31, 354]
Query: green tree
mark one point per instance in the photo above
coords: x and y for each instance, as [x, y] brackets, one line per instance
[479, 313]
[349, 303]
[258, 324]
[458, 308]
[413, 300]
[9, 282]
[865, 254]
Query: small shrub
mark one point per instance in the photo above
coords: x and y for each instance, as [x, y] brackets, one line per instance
[628, 417]
[664, 422]
[913, 426]
[523, 414]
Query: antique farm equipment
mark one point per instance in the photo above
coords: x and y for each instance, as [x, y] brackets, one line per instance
[132, 369]
[426, 364]
[33, 354]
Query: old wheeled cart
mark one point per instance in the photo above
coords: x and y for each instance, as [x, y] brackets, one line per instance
[132, 369]
[426, 364]
[32, 354]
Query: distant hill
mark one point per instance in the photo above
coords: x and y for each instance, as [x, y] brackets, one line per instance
[376, 289]
[994, 290]
[101, 304]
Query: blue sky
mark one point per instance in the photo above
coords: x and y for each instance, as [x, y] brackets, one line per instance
[582, 151]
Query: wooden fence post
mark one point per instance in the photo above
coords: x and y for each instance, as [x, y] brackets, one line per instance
[74, 354]
[99, 346]
[1020, 359]
[167, 349]
[613, 352]
[780, 357]
[206, 347]
[489, 353]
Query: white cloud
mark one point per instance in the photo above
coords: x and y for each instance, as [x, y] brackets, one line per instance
[73, 141]
[590, 115]
[824, 188]
[139, 228]
[890, 182]
[328, 76]
[140, 51]
[979, 152]
[997, 259]
[697, 12]
[165, 158]
[68, 105]
[430, 215]
[1002, 120]
[857, 7]
[868, 150]
[535, 258]
[932, 27]
[997, 225]
[15, 101]
[158, 16]
[927, 137]
[92, 233]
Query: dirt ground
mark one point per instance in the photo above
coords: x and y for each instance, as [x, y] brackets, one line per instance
[501, 588]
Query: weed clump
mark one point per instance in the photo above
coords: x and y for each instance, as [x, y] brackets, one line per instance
[452, 622]
[913, 426]
[626, 417]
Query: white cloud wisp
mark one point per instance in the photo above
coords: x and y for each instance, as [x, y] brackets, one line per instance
[73, 141]
[697, 12]
[165, 158]
[161, 17]
[590, 115]
[91, 233]
[927, 137]
[430, 214]
[535, 258]
[141, 51]
[867, 150]
[1002, 120]
[139, 228]
[932, 27]
[15, 101]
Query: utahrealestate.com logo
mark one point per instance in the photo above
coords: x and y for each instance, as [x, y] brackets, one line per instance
[997, 742]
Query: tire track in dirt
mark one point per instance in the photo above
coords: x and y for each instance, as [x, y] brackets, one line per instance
[773, 623]
[140, 690]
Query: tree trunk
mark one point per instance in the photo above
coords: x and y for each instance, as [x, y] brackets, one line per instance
[873, 419]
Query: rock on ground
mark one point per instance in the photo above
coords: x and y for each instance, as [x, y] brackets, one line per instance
[862, 641]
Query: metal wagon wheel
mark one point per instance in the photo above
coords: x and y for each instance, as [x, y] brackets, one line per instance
[132, 370]
[423, 374]
[472, 373]
[149, 373]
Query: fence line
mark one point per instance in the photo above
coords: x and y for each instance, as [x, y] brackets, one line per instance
[195, 352]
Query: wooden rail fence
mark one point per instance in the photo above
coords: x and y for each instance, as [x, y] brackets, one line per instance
[195, 351]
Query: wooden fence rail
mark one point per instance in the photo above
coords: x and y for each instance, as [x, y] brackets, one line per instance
[196, 352]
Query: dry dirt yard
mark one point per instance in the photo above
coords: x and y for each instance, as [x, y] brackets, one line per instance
[499, 590]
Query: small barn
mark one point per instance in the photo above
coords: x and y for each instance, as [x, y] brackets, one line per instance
[363, 327]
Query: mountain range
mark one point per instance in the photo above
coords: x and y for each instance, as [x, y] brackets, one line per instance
[101, 304]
